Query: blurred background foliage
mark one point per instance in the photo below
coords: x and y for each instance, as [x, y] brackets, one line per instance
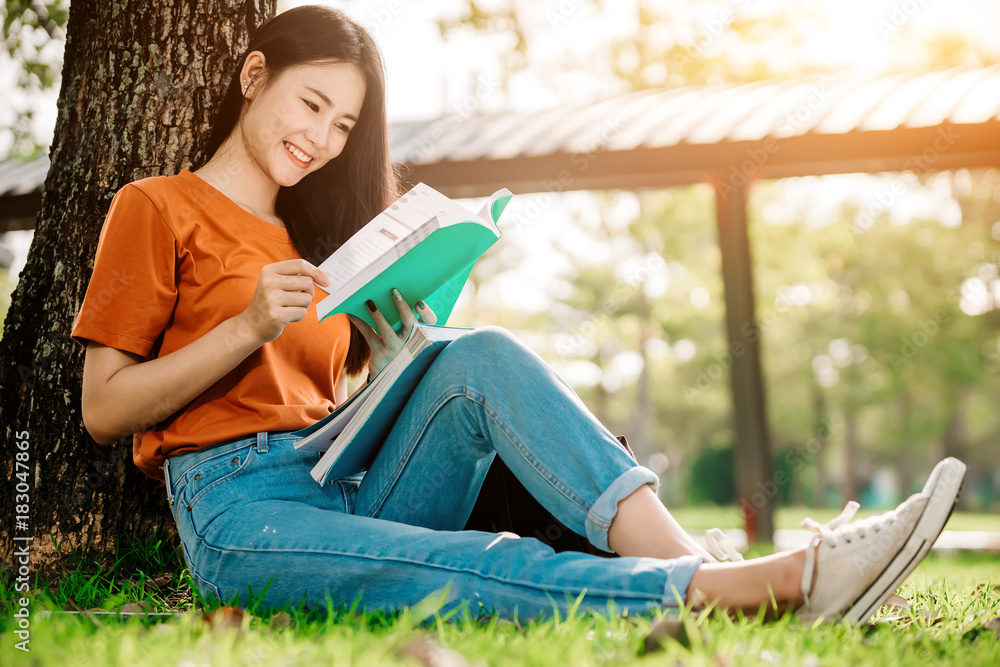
[880, 336]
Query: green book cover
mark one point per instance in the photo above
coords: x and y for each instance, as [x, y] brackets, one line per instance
[425, 245]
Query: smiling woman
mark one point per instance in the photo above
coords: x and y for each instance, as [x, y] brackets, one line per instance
[199, 343]
[292, 128]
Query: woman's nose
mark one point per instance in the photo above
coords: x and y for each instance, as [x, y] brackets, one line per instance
[319, 135]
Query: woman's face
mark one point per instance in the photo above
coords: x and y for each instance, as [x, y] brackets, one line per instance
[302, 120]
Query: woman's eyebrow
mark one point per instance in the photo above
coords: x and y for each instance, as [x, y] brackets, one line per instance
[327, 100]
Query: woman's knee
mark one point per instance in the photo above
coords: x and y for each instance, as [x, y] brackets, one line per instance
[488, 349]
[489, 344]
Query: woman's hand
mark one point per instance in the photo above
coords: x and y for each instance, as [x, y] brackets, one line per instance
[284, 292]
[387, 342]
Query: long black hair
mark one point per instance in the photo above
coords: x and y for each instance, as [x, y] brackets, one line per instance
[327, 206]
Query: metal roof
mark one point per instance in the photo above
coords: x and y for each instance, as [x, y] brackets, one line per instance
[654, 138]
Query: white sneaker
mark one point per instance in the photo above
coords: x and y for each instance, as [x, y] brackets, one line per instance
[859, 565]
[850, 558]
[942, 489]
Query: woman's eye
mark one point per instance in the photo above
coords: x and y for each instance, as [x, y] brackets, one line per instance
[311, 105]
[344, 128]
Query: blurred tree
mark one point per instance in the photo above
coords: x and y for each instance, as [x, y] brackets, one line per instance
[33, 36]
[826, 358]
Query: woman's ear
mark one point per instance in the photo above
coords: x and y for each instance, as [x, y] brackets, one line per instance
[253, 68]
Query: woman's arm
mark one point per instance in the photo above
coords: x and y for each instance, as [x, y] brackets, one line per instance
[123, 394]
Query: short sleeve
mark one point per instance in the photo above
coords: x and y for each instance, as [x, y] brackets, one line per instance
[133, 290]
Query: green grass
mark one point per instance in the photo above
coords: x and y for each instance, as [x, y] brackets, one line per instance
[963, 590]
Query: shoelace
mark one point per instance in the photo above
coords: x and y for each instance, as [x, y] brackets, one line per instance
[721, 546]
[860, 528]
[826, 535]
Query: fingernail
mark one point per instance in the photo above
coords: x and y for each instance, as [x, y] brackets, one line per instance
[396, 295]
[370, 304]
[421, 305]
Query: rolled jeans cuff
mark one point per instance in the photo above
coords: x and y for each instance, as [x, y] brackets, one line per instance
[604, 509]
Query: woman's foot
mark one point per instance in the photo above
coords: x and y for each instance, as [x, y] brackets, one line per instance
[850, 570]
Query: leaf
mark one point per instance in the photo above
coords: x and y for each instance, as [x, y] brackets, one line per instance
[897, 602]
[281, 620]
[931, 616]
[225, 618]
[140, 607]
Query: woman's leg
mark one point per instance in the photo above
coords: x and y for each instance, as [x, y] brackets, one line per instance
[643, 527]
[488, 394]
[251, 519]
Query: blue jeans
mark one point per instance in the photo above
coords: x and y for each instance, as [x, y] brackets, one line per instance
[251, 518]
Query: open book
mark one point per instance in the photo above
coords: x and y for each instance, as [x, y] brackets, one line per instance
[353, 434]
[424, 245]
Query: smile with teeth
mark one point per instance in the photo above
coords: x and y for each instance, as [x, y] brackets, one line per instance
[294, 150]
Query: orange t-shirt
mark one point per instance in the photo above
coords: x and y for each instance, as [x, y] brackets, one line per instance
[175, 258]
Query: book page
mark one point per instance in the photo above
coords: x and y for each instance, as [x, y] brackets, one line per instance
[392, 232]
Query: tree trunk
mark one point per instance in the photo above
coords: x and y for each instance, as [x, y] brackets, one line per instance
[139, 91]
[956, 434]
[822, 434]
[956, 430]
[849, 487]
[905, 465]
[643, 445]
[755, 480]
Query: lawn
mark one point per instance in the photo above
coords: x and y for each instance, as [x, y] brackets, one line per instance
[953, 598]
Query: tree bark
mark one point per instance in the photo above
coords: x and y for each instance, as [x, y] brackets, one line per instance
[140, 86]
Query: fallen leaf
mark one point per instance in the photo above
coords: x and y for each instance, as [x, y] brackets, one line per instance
[224, 618]
[931, 616]
[140, 607]
[897, 601]
[281, 620]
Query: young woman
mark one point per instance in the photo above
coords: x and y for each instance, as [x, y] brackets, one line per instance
[200, 342]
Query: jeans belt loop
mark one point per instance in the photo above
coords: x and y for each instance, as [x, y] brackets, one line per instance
[166, 479]
[262, 442]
